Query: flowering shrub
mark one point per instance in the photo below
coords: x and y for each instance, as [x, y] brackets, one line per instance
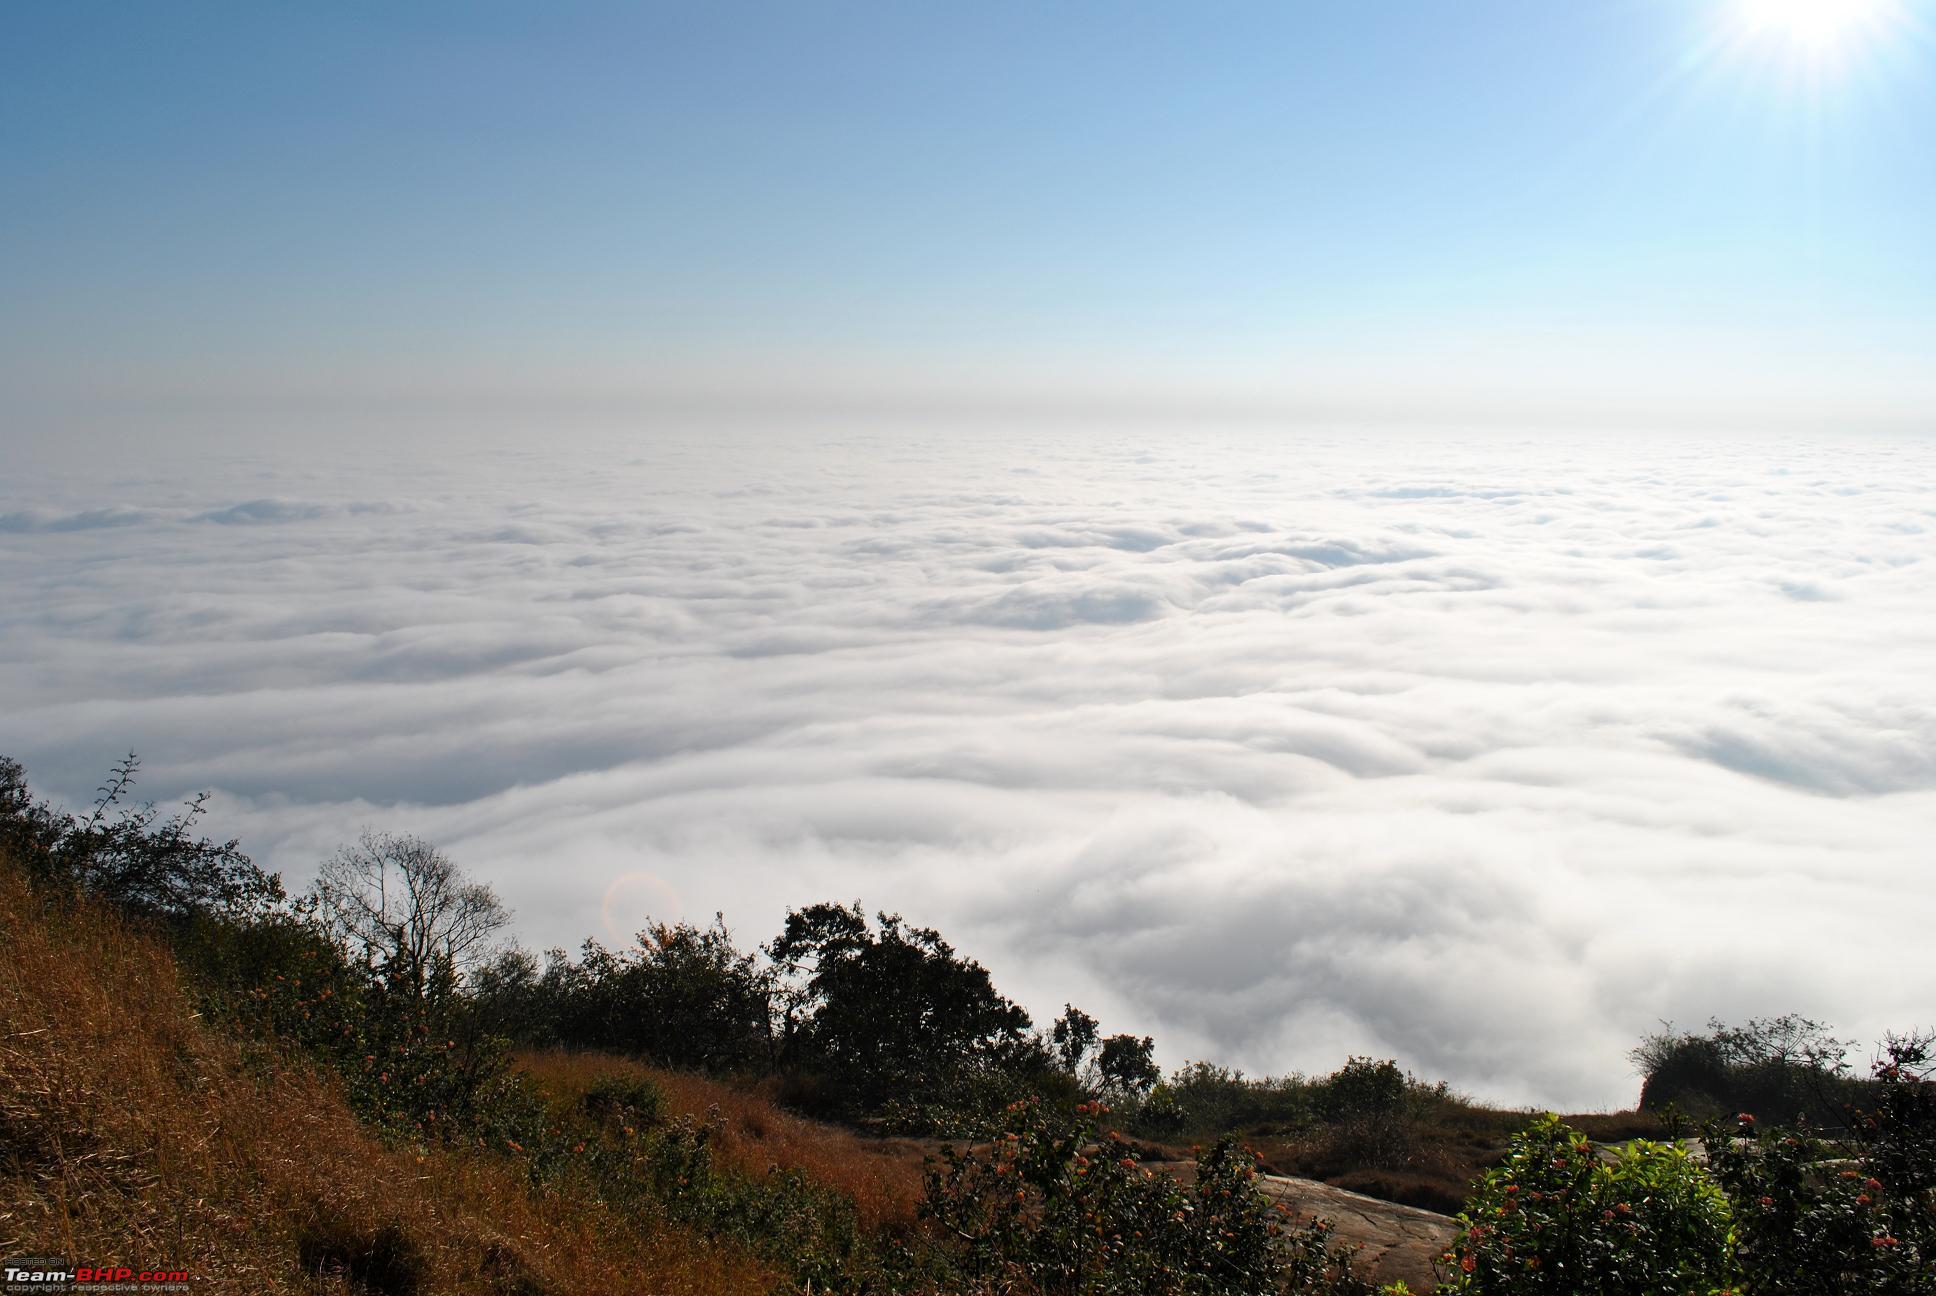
[1052, 1208]
[1815, 1216]
[1553, 1220]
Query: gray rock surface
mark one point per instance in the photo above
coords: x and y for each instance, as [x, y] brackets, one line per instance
[1396, 1241]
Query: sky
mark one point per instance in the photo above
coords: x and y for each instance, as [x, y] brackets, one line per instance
[1389, 529]
[1598, 210]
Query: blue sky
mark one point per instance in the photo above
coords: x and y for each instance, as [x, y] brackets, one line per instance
[1389, 208]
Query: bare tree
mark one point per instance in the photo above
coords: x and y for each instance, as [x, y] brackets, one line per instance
[408, 909]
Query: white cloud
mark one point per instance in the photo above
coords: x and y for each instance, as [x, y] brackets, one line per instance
[1485, 753]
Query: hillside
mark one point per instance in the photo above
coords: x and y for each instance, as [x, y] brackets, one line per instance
[133, 1133]
[201, 1076]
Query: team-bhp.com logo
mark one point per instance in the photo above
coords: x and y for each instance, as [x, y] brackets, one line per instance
[49, 1274]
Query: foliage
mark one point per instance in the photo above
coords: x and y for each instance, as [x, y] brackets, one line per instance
[894, 1015]
[127, 853]
[1073, 1038]
[623, 1101]
[1361, 1090]
[1554, 1220]
[1205, 1098]
[682, 996]
[373, 992]
[1852, 1216]
[1127, 1067]
[1363, 1104]
[1780, 1068]
[182, 1142]
[422, 1061]
[1053, 1208]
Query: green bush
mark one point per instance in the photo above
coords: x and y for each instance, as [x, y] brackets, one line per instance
[1053, 1208]
[681, 996]
[1554, 1220]
[1852, 1215]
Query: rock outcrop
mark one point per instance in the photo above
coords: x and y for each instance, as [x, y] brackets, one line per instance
[1396, 1242]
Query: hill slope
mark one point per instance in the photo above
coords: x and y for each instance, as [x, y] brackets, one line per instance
[131, 1133]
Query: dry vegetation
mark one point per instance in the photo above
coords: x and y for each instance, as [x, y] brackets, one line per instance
[756, 1136]
[130, 1133]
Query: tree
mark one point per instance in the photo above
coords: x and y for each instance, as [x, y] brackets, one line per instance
[698, 1001]
[684, 996]
[1073, 1038]
[1780, 1068]
[890, 1015]
[1127, 1066]
[403, 906]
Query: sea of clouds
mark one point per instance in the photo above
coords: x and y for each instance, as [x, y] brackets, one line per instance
[1486, 753]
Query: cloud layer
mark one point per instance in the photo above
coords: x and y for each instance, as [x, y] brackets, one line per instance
[1485, 753]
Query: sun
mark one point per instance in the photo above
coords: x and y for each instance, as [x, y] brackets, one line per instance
[1817, 28]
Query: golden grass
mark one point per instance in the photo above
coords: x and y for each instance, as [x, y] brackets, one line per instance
[132, 1134]
[882, 1176]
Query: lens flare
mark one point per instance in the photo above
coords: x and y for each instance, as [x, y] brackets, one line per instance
[634, 899]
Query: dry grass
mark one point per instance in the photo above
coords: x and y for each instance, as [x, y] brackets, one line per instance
[131, 1134]
[882, 1176]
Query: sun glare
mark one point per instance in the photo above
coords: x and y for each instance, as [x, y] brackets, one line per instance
[1816, 27]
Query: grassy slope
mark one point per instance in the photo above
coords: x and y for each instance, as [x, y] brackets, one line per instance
[131, 1133]
[881, 1176]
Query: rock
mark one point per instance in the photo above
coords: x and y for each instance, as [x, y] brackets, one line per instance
[1397, 1242]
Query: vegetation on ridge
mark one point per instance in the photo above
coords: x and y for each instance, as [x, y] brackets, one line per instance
[363, 1089]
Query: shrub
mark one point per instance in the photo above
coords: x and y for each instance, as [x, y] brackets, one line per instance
[1206, 1098]
[126, 853]
[1852, 1216]
[1364, 1104]
[1554, 1220]
[812, 1230]
[682, 996]
[1780, 1068]
[1052, 1209]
